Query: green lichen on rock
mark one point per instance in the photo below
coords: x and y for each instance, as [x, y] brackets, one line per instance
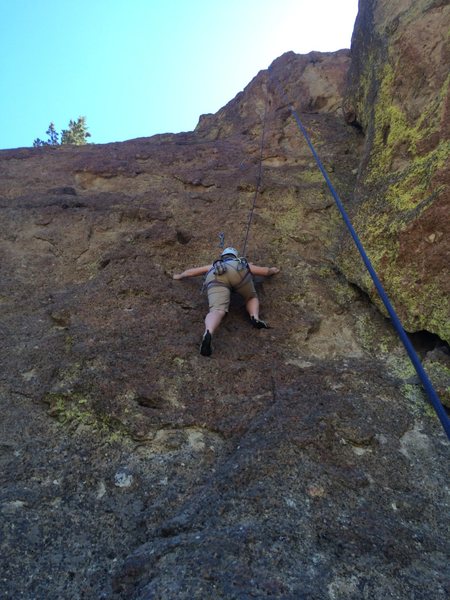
[400, 101]
[439, 374]
[415, 184]
[395, 135]
[400, 366]
[70, 408]
[423, 305]
[74, 409]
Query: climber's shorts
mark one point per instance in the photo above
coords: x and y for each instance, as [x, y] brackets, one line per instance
[219, 290]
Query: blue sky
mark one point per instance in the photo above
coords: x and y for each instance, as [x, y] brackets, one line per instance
[139, 67]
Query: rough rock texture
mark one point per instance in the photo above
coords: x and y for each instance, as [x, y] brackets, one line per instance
[399, 95]
[297, 462]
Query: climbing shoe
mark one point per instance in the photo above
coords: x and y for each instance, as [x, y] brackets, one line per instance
[258, 323]
[205, 348]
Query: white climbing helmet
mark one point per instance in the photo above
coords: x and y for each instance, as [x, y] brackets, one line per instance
[230, 250]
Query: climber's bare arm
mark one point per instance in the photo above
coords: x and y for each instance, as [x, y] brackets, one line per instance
[194, 272]
[264, 271]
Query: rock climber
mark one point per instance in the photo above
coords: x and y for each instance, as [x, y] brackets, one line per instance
[229, 273]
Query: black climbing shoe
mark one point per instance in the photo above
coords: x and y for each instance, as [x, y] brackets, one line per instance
[205, 348]
[258, 323]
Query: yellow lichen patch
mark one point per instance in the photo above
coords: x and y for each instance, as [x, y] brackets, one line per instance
[288, 221]
[394, 134]
[73, 410]
[311, 176]
[399, 364]
[415, 184]
[425, 306]
[374, 339]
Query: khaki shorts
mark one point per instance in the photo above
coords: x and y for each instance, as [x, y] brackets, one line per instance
[219, 287]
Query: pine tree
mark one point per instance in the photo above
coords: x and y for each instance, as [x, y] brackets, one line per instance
[52, 140]
[77, 132]
[53, 135]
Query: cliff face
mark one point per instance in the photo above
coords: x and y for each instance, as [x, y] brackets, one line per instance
[299, 461]
[399, 95]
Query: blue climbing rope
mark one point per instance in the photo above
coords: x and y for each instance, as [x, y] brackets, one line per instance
[427, 385]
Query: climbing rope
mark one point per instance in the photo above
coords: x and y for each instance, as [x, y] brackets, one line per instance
[259, 176]
[427, 385]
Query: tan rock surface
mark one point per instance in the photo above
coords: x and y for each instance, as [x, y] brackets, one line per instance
[297, 462]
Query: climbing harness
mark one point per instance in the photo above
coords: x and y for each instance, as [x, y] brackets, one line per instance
[426, 383]
[220, 266]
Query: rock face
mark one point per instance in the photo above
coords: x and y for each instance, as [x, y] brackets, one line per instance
[297, 462]
[399, 95]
